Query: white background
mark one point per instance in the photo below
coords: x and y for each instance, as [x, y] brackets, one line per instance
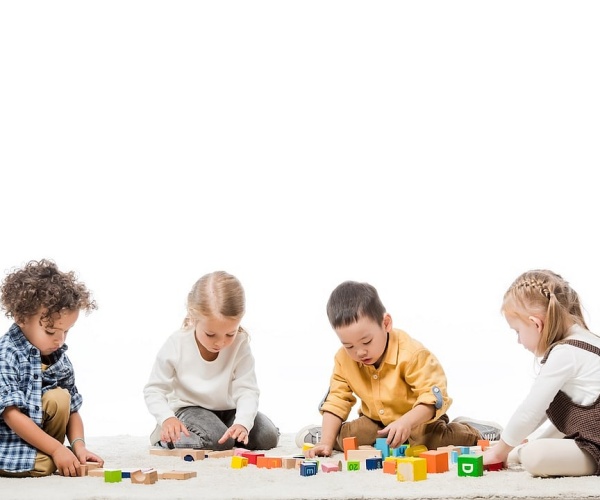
[434, 149]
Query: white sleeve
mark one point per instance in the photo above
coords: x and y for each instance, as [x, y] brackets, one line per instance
[160, 383]
[559, 367]
[244, 386]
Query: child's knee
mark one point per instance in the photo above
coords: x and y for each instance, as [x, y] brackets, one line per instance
[56, 400]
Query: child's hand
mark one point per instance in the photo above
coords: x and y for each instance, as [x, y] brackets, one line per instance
[84, 456]
[66, 462]
[172, 429]
[397, 433]
[497, 453]
[236, 432]
[319, 450]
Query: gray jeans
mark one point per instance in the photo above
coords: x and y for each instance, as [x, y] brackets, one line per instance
[207, 426]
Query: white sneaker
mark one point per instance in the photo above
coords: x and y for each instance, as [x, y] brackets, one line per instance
[489, 430]
[310, 434]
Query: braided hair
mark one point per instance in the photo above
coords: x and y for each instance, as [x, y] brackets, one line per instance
[547, 294]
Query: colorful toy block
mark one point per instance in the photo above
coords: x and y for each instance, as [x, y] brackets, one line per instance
[353, 465]
[349, 443]
[289, 463]
[238, 462]
[126, 473]
[374, 463]
[400, 451]
[470, 465]
[268, 462]
[382, 445]
[484, 443]
[362, 455]
[252, 456]
[112, 476]
[415, 451]
[188, 454]
[332, 466]
[494, 467]
[437, 461]
[389, 465]
[144, 476]
[220, 454]
[178, 474]
[308, 468]
[411, 469]
[307, 446]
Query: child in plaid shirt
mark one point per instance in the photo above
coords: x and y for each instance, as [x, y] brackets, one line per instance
[39, 401]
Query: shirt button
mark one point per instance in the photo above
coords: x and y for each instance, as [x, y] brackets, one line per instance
[381, 412]
[35, 377]
[375, 377]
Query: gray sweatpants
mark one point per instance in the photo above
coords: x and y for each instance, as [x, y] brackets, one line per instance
[207, 426]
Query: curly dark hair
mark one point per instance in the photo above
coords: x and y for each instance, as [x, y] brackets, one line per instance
[40, 285]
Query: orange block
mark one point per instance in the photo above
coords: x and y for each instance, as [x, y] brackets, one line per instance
[268, 462]
[437, 461]
[389, 466]
[349, 443]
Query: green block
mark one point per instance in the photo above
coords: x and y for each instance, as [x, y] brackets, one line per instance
[470, 465]
[353, 465]
[112, 476]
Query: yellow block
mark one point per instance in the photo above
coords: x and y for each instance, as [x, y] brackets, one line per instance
[411, 469]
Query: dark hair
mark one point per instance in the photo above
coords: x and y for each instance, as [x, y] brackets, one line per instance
[40, 285]
[351, 301]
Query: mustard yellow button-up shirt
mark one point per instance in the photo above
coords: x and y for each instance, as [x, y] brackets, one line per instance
[408, 375]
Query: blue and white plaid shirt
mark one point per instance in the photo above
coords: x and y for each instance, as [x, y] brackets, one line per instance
[22, 383]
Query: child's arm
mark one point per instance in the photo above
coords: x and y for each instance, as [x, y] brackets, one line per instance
[76, 438]
[330, 429]
[66, 462]
[399, 430]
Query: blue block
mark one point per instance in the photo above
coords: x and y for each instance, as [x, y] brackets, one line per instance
[374, 463]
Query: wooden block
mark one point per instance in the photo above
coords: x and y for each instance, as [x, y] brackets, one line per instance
[494, 467]
[252, 456]
[362, 455]
[177, 474]
[411, 469]
[382, 444]
[219, 454]
[268, 462]
[238, 462]
[188, 454]
[349, 443]
[288, 463]
[96, 472]
[144, 477]
[112, 476]
[308, 469]
[484, 443]
[389, 466]
[82, 470]
[415, 451]
[470, 465]
[126, 473]
[332, 466]
[92, 465]
[353, 465]
[437, 461]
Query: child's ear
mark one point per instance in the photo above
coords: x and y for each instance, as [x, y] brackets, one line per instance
[387, 322]
[539, 324]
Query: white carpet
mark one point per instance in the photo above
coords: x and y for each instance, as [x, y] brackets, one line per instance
[217, 480]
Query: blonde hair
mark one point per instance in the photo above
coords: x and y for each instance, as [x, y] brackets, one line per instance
[215, 295]
[545, 293]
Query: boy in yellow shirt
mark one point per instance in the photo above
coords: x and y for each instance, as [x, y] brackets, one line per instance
[401, 384]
